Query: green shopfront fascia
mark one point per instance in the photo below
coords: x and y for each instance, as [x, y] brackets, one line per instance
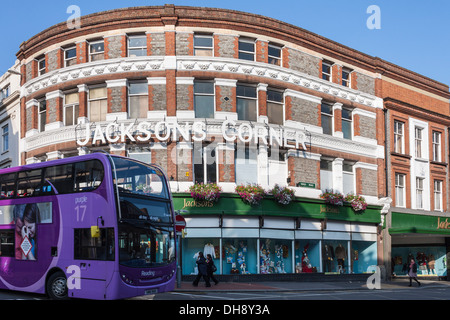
[305, 236]
[426, 238]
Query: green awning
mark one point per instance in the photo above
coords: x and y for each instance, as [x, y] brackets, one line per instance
[232, 204]
[403, 223]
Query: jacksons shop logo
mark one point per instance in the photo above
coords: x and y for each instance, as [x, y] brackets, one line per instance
[443, 225]
[163, 131]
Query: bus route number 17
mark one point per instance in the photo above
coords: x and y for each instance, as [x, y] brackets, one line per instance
[81, 212]
[80, 208]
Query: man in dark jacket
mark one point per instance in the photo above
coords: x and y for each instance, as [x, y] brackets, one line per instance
[202, 271]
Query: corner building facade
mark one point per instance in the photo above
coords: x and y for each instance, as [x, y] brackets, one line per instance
[272, 104]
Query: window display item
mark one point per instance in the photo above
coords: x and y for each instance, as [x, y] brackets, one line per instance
[306, 265]
[328, 257]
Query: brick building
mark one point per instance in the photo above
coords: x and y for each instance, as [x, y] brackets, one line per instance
[272, 104]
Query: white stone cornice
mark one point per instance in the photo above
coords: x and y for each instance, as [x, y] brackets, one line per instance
[185, 80]
[54, 95]
[90, 69]
[225, 82]
[32, 103]
[116, 83]
[195, 63]
[265, 70]
[156, 80]
[337, 106]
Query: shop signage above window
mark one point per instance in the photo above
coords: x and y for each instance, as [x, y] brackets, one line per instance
[115, 132]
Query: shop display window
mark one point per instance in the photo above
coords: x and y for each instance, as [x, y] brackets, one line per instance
[307, 256]
[335, 256]
[431, 261]
[363, 256]
[191, 248]
[239, 256]
[275, 256]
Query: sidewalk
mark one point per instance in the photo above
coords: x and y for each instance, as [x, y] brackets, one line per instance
[303, 286]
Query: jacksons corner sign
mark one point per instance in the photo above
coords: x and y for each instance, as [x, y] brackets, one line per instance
[115, 132]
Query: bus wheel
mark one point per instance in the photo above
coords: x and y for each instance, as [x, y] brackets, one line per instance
[57, 286]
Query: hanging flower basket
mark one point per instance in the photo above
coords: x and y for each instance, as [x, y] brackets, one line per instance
[251, 194]
[333, 198]
[205, 192]
[283, 195]
[357, 202]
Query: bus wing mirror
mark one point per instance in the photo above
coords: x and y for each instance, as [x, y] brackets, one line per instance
[95, 232]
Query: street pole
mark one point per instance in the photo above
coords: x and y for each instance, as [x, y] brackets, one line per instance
[178, 260]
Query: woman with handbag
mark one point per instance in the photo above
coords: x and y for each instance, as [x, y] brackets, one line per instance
[211, 268]
[412, 272]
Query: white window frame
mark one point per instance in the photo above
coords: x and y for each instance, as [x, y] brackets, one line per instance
[204, 48]
[418, 141]
[348, 120]
[68, 106]
[282, 104]
[248, 98]
[400, 187]
[41, 71]
[135, 95]
[97, 53]
[346, 82]
[41, 114]
[352, 173]
[90, 100]
[330, 161]
[328, 115]
[207, 94]
[252, 41]
[397, 125]
[437, 190]
[5, 138]
[206, 147]
[328, 75]
[142, 47]
[279, 59]
[437, 151]
[419, 192]
[66, 60]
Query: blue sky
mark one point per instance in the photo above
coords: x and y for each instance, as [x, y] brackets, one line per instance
[414, 34]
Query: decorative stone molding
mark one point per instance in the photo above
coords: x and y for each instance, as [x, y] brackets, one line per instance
[185, 63]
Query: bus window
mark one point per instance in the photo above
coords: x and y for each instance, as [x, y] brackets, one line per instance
[137, 178]
[60, 178]
[7, 243]
[7, 185]
[88, 248]
[88, 175]
[29, 183]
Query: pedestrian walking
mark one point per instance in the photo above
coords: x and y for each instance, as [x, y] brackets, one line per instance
[412, 272]
[211, 268]
[202, 270]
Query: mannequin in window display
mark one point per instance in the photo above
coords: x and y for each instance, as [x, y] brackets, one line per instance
[432, 264]
[328, 257]
[422, 262]
[340, 253]
[306, 265]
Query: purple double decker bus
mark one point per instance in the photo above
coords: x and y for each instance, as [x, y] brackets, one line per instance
[95, 227]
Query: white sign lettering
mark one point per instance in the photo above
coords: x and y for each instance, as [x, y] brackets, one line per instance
[197, 132]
